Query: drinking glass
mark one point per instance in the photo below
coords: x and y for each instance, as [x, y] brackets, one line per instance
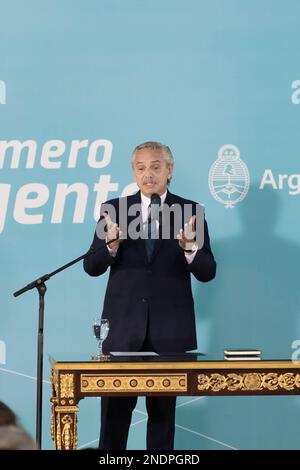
[100, 329]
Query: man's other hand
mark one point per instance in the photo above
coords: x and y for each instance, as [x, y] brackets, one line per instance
[113, 233]
[186, 236]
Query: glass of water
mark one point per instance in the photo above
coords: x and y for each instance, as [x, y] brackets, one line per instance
[100, 329]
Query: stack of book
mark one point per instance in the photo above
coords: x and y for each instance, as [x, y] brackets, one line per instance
[242, 355]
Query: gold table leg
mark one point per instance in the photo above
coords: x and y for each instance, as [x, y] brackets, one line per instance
[64, 427]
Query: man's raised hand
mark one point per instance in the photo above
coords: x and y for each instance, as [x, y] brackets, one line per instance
[113, 233]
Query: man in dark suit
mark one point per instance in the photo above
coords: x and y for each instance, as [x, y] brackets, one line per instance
[148, 299]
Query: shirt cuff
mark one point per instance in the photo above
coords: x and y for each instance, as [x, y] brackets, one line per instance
[111, 252]
[190, 256]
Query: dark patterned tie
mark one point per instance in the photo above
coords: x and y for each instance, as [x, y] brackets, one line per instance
[151, 234]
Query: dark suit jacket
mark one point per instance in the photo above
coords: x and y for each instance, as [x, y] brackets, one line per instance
[158, 291]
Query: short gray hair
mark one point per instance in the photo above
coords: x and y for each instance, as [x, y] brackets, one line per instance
[153, 145]
[167, 154]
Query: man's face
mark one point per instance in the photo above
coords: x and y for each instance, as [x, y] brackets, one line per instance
[151, 171]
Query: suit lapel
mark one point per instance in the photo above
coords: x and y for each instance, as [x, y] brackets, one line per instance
[140, 244]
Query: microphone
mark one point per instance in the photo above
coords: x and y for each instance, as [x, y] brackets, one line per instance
[155, 203]
[155, 199]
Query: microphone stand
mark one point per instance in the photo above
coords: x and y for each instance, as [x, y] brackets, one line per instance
[40, 285]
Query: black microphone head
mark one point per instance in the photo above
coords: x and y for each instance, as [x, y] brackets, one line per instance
[155, 206]
[155, 199]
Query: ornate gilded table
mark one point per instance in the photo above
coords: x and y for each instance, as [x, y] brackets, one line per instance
[187, 375]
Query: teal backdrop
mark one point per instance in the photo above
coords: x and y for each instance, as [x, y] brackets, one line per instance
[106, 75]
